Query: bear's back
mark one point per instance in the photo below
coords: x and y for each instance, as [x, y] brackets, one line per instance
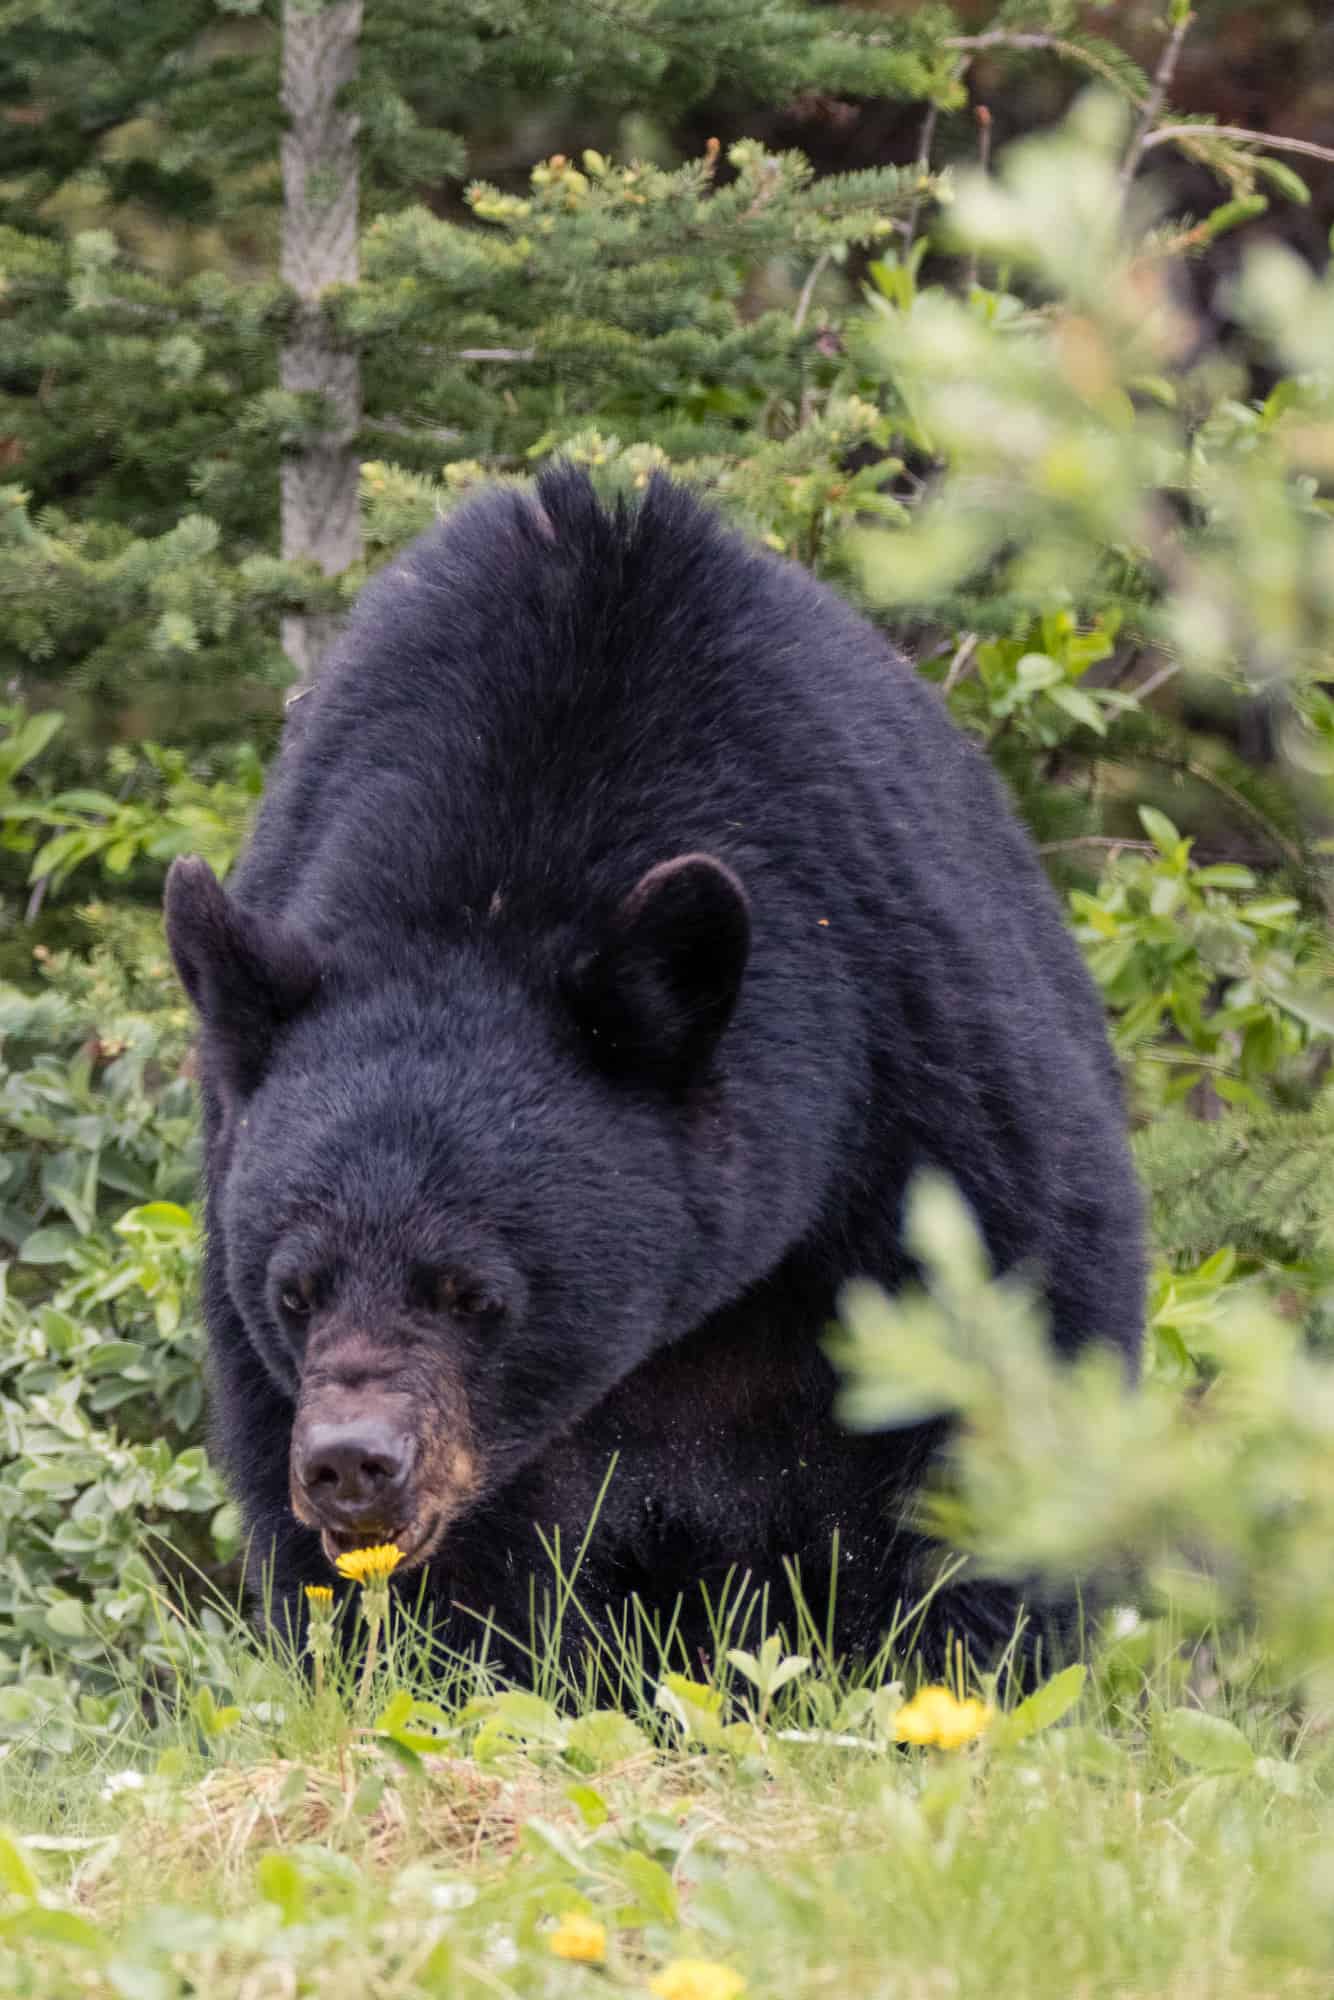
[541, 698]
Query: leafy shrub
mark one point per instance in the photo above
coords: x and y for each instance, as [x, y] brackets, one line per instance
[163, 804]
[101, 1386]
[1216, 1504]
[1228, 971]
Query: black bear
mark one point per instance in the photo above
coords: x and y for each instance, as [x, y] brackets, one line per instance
[623, 926]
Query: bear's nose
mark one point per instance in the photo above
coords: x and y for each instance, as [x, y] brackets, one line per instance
[355, 1474]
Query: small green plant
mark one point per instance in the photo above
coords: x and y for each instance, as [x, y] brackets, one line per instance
[161, 806]
[1205, 974]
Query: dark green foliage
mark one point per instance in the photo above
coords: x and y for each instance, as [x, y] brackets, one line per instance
[614, 295]
[101, 1393]
[1262, 1182]
[141, 325]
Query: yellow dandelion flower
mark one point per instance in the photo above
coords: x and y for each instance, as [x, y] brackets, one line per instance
[580, 1938]
[696, 1979]
[319, 1631]
[370, 1565]
[935, 1716]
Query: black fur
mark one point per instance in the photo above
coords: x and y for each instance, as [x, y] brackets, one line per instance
[452, 1020]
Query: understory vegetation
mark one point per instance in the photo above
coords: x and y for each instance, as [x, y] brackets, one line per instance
[1013, 327]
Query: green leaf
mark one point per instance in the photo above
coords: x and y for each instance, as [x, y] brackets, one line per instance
[66, 1616]
[111, 1357]
[695, 1694]
[1036, 671]
[29, 741]
[53, 1245]
[1207, 1742]
[1082, 706]
[590, 1805]
[280, 1881]
[15, 1873]
[652, 1885]
[1160, 830]
[214, 1721]
[512, 1719]
[1233, 1091]
[1313, 1009]
[1231, 215]
[602, 1738]
[1223, 875]
[44, 1926]
[543, 1836]
[419, 1726]
[162, 1219]
[1280, 175]
[1217, 1269]
[399, 1753]
[1269, 910]
[1045, 1706]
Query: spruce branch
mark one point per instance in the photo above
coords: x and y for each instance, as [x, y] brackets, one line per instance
[1102, 58]
[1241, 135]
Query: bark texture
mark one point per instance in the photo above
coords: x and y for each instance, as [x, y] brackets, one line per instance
[320, 515]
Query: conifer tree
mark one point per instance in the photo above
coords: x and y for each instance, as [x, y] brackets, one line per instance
[156, 363]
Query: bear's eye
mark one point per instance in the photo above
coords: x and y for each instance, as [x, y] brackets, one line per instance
[298, 1298]
[450, 1292]
[472, 1302]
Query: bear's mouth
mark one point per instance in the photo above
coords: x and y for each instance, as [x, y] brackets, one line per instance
[416, 1542]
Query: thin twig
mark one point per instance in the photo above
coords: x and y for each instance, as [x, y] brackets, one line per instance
[1187, 1059]
[1240, 804]
[962, 661]
[923, 169]
[817, 271]
[495, 354]
[983, 117]
[1112, 842]
[1157, 97]
[424, 433]
[1155, 681]
[1241, 135]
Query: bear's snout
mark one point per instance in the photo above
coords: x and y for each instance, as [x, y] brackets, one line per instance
[380, 1458]
[355, 1475]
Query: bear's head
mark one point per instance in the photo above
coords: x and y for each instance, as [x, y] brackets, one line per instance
[458, 1193]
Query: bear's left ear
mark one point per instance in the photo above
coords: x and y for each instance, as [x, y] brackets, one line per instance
[656, 994]
[246, 975]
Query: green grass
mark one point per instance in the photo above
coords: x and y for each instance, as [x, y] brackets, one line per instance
[1159, 1830]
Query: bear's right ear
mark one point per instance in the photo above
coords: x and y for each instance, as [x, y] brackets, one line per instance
[657, 993]
[246, 975]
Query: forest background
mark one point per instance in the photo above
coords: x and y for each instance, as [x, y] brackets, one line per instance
[1015, 324]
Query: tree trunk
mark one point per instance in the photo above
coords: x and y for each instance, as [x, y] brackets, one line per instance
[320, 516]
